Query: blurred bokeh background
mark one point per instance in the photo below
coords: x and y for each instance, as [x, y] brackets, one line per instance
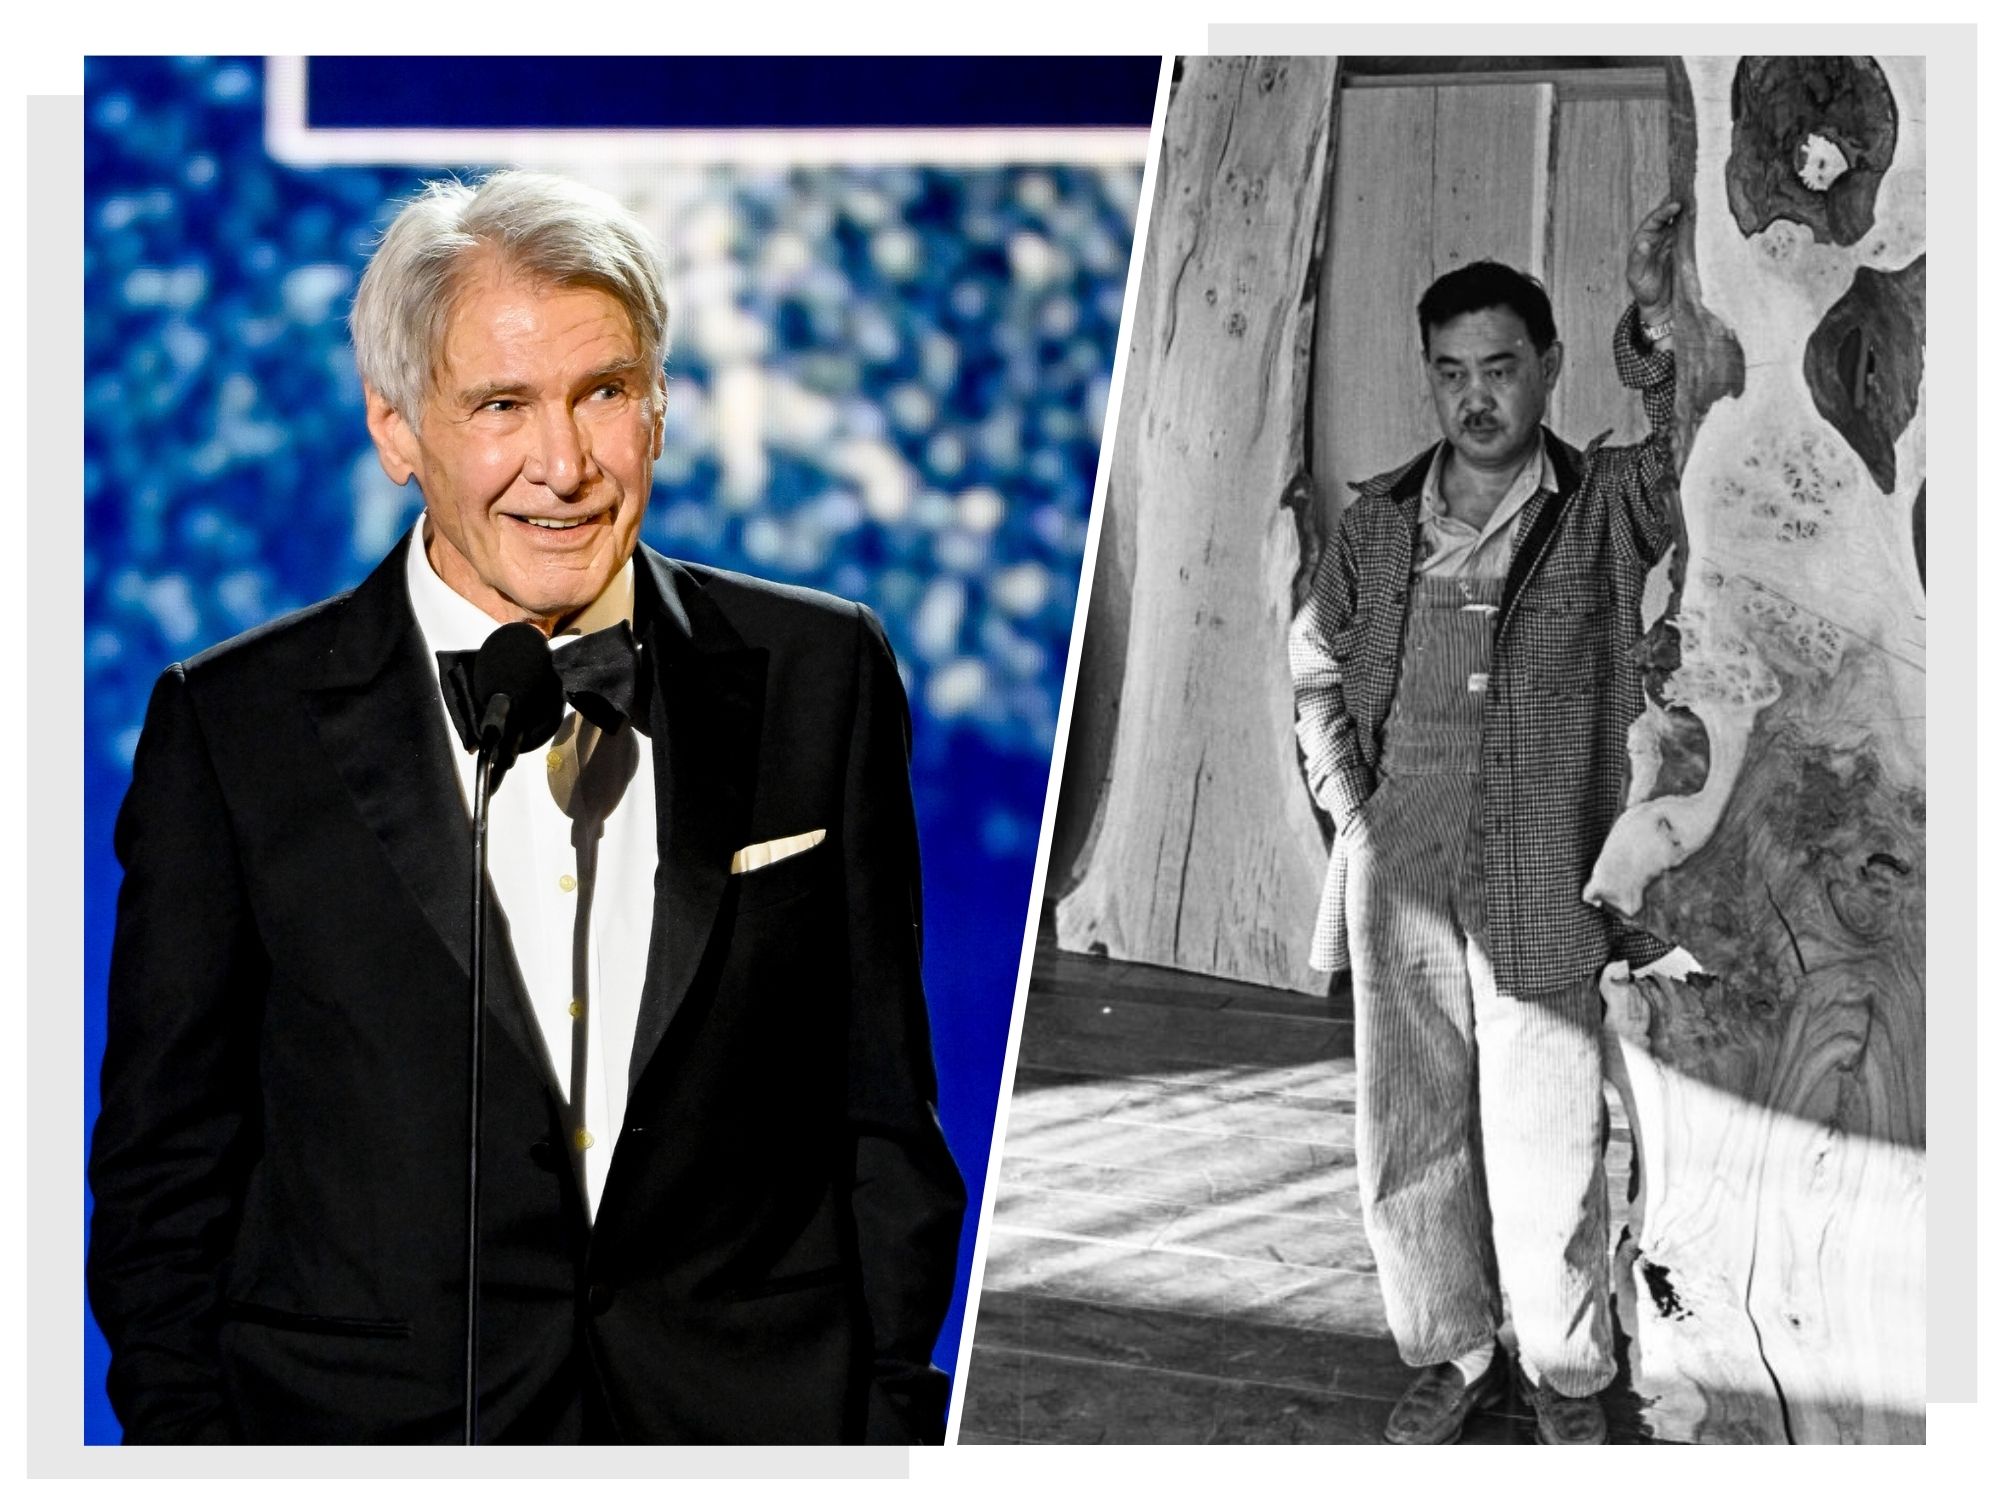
[886, 380]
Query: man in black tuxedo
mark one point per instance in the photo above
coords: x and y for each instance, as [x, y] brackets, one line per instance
[716, 1203]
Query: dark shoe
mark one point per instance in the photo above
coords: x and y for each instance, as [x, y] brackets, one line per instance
[1436, 1406]
[1566, 1419]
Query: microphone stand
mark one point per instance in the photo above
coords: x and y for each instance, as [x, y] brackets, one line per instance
[490, 732]
[512, 676]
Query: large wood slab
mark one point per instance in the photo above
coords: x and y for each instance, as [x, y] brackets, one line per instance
[1207, 855]
[1777, 818]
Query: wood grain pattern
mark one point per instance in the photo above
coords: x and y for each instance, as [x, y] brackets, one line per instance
[1489, 187]
[1779, 1106]
[1374, 409]
[1208, 856]
[1610, 170]
[1100, 680]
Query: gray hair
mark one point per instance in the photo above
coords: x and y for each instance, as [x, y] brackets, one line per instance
[546, 227]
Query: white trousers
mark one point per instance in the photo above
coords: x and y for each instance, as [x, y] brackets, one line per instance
[1480, 1114]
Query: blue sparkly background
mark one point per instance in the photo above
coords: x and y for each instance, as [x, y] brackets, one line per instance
[887, 382]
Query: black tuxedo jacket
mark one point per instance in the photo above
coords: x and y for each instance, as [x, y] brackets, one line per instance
[279, 1162]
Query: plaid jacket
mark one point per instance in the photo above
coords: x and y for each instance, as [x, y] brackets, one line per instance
[1564, 685]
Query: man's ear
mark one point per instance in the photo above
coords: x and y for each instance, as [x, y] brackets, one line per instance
[660, 418]
[1552, 362]
[395, 442]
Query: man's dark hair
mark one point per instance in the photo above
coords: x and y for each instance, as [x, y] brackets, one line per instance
[1484, 284]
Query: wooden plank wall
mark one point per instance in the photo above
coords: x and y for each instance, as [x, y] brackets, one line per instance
[1610, 170]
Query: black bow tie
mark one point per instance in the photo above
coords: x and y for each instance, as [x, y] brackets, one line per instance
[603, 675]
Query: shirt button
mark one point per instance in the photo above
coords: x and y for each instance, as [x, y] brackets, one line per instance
[584, 1140]
[576, 1010]
[568, 882]
[555, 760]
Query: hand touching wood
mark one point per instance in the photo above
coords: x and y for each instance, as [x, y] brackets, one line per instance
[1649, 263]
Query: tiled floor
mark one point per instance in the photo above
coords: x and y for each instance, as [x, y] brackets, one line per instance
[1176, 1252]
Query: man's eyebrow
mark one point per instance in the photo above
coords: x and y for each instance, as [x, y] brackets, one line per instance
[615, 367]
[485, 391]
[476, 396]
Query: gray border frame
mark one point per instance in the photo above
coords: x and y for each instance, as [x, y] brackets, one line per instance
[53, 931]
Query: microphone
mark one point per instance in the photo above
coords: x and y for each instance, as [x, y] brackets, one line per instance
[516, 692]
[515, 702]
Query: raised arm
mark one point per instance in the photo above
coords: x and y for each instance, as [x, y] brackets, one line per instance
[1642, 348]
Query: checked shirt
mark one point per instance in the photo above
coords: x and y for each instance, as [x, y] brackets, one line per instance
[1564, 685]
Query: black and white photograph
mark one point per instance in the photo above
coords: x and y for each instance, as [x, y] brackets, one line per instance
[1480, 990]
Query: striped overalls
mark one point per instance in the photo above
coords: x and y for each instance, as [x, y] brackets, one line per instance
[1479, 1128]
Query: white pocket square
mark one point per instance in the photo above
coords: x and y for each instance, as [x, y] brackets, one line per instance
[756, 856]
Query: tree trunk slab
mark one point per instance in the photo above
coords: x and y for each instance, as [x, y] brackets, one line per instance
[1207, 855]
[1774, 1288]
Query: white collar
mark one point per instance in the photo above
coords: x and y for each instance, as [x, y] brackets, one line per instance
[452, 622]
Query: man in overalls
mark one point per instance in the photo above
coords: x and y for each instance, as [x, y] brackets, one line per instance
[1464, 681]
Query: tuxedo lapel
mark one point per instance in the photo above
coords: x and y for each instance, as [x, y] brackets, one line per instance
[375, 703]
[707, 717]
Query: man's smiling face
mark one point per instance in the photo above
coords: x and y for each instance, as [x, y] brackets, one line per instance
[535, 454]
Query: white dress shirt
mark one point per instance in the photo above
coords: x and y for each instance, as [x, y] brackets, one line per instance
[1455, 548]
[583, 985]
